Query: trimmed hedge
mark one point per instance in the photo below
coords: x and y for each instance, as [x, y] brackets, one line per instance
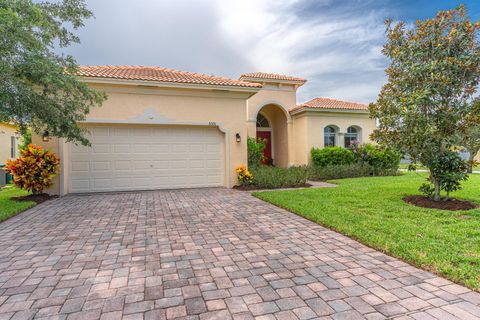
[269, 177]
[343, 171]
[331, 156]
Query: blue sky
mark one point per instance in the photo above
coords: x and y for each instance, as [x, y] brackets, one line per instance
[335, 44]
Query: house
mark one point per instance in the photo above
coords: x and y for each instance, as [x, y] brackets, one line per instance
[9, 142]
[164, 128]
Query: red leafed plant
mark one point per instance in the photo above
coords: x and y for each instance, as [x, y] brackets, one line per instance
[35, 169]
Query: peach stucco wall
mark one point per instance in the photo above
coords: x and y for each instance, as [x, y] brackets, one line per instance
[6, 133]
[142, 105]
[275, 99]
[231, 111]
[309, 126]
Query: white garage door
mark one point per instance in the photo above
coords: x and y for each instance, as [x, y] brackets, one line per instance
[123, 158]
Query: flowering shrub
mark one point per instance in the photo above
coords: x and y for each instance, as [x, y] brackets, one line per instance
[244, 176]
[35, 169]
[380, 158]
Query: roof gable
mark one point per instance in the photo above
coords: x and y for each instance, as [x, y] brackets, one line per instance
[329, 103]
[270, 76]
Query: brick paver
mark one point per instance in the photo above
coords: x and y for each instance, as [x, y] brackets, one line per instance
[203, 254]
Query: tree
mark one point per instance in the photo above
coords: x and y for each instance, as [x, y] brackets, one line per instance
[26, 140]
[470, 140]
[39, 88]
[433, 73]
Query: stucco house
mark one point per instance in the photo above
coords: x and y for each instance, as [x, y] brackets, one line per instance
[9, 142]
[163, 128]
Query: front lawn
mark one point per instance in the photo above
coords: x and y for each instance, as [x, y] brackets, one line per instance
[420, 167]
[371, 210]
[9, 207]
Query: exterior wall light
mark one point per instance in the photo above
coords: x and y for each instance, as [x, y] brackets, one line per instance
[238, 138]
[45, 136]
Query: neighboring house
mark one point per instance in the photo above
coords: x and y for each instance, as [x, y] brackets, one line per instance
[9, 142]
[163, 128]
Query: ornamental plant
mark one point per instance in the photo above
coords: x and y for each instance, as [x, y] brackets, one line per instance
[433, 75]
[34, 170]
[255, 149]
[381, 159]
[244, 176]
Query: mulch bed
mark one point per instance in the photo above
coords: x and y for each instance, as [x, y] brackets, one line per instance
[450, 204]
[38, 198]
[252, 187]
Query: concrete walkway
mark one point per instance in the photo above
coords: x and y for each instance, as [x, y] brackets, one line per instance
[203, 254]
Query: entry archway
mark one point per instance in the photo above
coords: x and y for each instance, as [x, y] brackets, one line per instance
[272, 125]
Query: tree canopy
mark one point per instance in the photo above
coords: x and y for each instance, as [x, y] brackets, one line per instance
[433, 75]
[38, 86]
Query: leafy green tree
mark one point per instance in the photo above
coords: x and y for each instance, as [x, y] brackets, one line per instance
[38, 87]
[434, 71]
[26, 140]
[470, 140]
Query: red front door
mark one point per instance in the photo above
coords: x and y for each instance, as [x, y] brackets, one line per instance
[267, 153]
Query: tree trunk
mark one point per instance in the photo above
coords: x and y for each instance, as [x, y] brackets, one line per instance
[436, 183]
[471, 157]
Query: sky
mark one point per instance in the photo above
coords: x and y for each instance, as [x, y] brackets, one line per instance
[334, 44]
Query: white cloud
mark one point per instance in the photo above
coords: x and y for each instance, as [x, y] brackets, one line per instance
[342, 45]
[336, 47]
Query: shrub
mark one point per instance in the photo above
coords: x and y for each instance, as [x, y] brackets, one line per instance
[381, 159]
[331, 156]
[450, 170]
[255, 149]
[340, 171]
[26, 140]
[269, 177]
[244, 176]
[34, 170]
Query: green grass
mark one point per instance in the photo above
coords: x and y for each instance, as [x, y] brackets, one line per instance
[420, 167]
[8, 207]
[371, 210]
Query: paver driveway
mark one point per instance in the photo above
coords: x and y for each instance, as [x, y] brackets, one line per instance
[203, 254]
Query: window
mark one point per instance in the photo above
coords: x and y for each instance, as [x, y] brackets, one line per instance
[329, 136]
[351, 136]
[13, 142]
[262, 122]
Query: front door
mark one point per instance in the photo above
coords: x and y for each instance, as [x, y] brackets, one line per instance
[267, 152]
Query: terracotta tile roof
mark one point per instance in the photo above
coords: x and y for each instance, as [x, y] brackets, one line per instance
[160, 74]
[328, 103]
[272, 76]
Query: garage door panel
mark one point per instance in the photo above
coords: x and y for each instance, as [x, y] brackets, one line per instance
[196, 148]
[100, 148]
[101, 165]
[80, 166]
[126, 158]
[121, 148]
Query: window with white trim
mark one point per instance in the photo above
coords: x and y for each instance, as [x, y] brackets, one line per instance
[262, 122]
[329, 134]
[13, 142]
[351, 136]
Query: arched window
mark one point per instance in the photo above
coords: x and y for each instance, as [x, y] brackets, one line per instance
[262, 122]
[329, 134]
[351, 136]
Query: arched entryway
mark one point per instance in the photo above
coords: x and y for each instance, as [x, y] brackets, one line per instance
[272, 125]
